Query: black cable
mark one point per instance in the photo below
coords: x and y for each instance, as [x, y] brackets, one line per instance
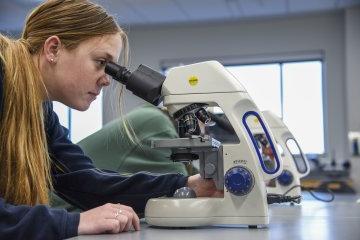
[279, 198]
[282, 198]
[332, 195]
[293, 187]
[312, 193]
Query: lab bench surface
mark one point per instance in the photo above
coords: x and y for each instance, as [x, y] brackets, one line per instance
[338, 220]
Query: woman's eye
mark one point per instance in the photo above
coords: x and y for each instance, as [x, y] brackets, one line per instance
[101, 62]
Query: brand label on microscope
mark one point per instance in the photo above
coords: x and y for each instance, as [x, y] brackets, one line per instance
[240, 161]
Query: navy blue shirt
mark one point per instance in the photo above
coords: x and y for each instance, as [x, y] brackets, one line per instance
[77, 180]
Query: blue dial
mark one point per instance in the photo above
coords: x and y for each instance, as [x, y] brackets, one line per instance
[285, 178]
[239, 180]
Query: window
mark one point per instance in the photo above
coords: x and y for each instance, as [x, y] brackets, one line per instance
[80, 124]
[293, 91]
[263, 82]
[303, 105]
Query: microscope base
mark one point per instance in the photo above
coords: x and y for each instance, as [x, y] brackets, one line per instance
[250, 222]
[196, 212]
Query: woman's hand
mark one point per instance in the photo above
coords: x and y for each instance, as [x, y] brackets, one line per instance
[109, 218]
[203, 187]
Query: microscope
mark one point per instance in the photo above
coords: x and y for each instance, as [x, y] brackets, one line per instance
[191, 93]
[295, 163]
[286, 187]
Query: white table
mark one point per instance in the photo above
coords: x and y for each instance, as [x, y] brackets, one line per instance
[338, 220]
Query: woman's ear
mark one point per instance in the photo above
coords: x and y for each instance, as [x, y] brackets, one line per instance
[51, 48]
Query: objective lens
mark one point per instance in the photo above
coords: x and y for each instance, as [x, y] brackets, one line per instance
[190, 123]
[203, 116]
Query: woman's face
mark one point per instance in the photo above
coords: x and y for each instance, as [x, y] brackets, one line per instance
[76, 77]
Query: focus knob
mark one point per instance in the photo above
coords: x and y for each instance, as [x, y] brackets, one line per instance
[285, 178]
[239, 181]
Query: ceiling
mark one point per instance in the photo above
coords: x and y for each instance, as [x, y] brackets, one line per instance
[165, 12]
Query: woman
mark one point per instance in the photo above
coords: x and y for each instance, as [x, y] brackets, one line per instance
[61, 57]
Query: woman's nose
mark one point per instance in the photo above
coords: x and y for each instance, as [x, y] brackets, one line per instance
[105, 80]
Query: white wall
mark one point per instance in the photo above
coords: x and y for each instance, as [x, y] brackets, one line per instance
[323, 32]
[352, 60]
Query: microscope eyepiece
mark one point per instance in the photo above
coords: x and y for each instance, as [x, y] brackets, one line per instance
[144, 82]
[117, 72]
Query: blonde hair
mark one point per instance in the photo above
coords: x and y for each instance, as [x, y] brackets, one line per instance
[25, 176]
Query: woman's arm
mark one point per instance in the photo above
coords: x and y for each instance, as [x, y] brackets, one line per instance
[38, 222]
[79, 182]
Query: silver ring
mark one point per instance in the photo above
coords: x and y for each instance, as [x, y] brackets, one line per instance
[118, 212]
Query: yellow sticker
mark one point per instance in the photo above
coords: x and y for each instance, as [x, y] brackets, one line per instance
[256, 120]
[193, 80]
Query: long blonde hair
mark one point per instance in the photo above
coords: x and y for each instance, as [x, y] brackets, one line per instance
[25, 176]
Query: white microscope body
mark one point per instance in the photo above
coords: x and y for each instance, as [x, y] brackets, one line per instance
[295, 163]
[237, 168]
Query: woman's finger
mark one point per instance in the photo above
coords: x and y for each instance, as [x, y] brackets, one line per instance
[134, 217]
[129, 216]
[110, 225]
[123, 219]
[136, 222]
